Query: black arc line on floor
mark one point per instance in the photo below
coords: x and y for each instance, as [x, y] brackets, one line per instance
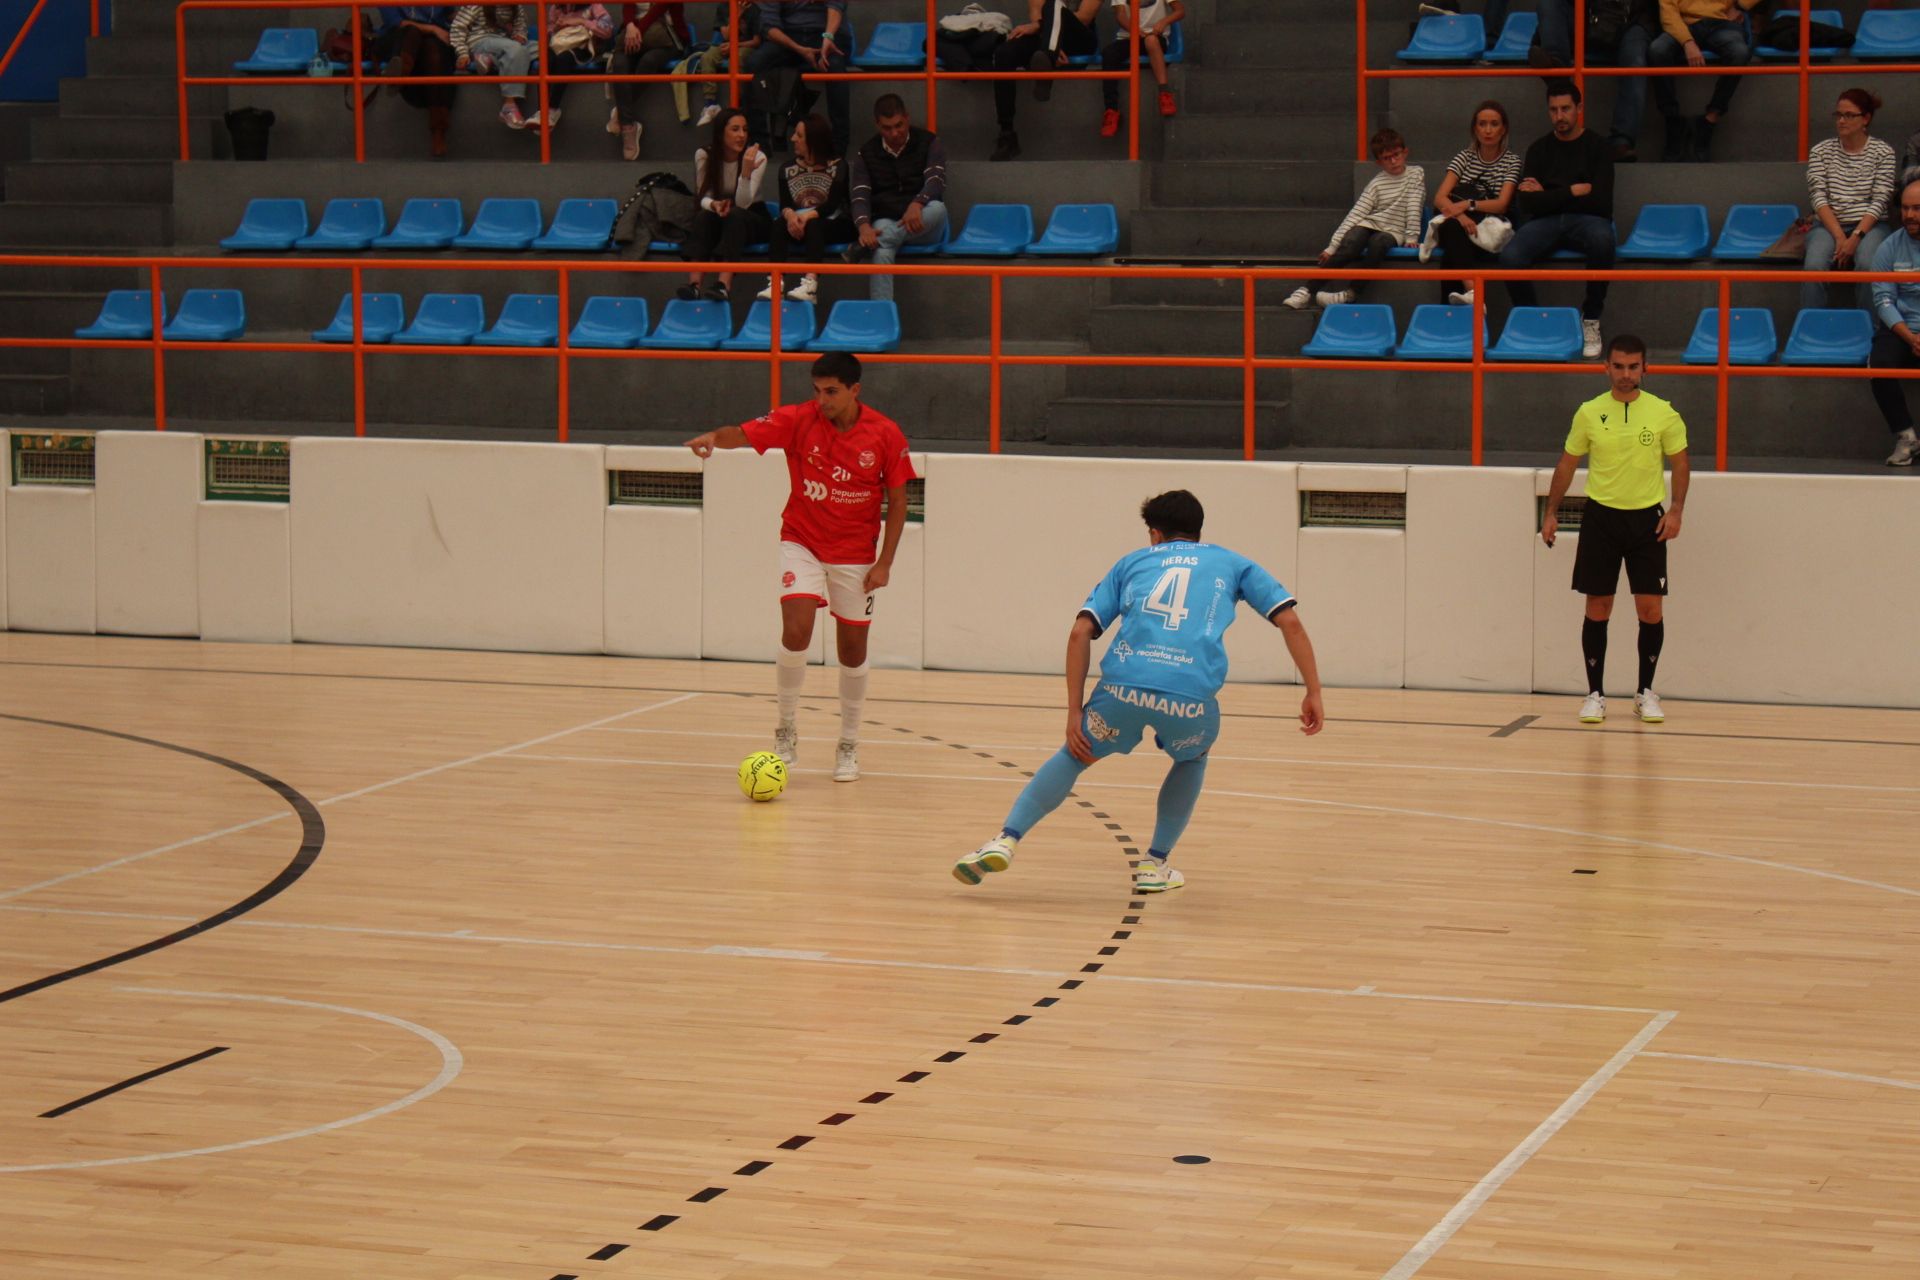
[131, 1081]
[313, 835]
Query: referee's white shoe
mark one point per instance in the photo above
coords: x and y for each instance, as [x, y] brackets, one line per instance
[1647, 704]
[1594, 709]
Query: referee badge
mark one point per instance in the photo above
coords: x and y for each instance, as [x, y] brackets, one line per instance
[1646, 436]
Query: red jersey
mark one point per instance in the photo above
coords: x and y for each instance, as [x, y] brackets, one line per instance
[838, 477]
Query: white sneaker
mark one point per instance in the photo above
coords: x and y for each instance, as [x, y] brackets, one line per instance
[766, 293]
[1590, 339]
[553, 117]
[995, 855]
[1464, 298]
[1333, 298]
[1906, 448]
[708, 114]
[1153, 876]
[846, 762]
[1299, 299]
[613, 121]
[1593, 710]
[630, 141]
[807, 290]
[1647, 703]
[786, 743]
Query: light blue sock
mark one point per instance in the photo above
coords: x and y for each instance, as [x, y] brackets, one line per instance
[1178, 794]
[1043, 794]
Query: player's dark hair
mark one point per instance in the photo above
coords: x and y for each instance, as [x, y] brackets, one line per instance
[1561, 87]
[843, 365]
[1178, 514]
[1627, 344]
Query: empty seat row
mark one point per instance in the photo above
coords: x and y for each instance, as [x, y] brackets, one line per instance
[1365, 331]
[903, 46]
[1681, 233]
[1462, 37]
[205, 315]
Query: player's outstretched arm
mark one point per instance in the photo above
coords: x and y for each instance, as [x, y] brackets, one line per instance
[1079, 658]
[1562, 481]
[719, 438]
[1313, 713]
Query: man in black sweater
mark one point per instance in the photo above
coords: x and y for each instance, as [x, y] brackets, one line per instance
[899, 189]
[1566, 199]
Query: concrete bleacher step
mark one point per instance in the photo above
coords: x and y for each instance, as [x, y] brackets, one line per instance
[42, 314]
[140, 181]
[1199, 135]
[1242, 89]
[101, 95]
[1191, 424]
[26, 224]
[62, 278]
[34, 392]
[1307, 43]
[1277, 184]
[121, 137]
[1197, 331]
[1214, 231]
[1166, 382]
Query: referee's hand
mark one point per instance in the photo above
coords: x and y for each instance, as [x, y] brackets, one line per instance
[1549, 525]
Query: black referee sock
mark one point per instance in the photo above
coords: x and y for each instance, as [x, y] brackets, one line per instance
[1593, 643]
[1652, 636]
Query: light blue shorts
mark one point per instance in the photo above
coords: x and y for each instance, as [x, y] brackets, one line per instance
[1117, 715]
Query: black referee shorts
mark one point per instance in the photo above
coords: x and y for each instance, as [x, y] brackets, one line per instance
[1609, 537]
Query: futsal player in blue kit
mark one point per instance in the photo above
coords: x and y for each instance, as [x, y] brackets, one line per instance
[1173, 601]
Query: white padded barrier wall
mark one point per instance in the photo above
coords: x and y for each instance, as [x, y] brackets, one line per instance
[653, 565]
[246, 572]
[445, 543]
[1353, 584]
[50, 559]
[147, 487]
[1015, 544]
[1470, 578]
[1558, 664]
[740, 556]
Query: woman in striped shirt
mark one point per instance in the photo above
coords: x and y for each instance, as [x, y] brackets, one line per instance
[1850, 182]
[1479, 183]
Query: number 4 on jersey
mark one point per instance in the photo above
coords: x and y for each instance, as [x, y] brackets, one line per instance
[1169, 598]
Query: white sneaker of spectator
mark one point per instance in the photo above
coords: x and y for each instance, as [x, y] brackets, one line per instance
[707, 115]
[1906, 448]
[1590, 335]
[807, 290]
[766, 293]
[1298, 299]
[1464, 298]
[613, 121]
[1333, 298]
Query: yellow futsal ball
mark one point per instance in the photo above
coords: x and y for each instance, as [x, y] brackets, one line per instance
[763, 775]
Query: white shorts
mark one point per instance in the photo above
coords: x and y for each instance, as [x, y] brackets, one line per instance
[840, 588]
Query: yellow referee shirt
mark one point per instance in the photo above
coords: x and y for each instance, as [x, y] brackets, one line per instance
[1627, 446]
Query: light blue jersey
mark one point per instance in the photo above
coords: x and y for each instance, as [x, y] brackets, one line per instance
[1174, 603]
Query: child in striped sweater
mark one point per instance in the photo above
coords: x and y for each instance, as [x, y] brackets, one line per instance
[1388, 213]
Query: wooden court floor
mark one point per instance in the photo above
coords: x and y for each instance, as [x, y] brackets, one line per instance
[327, 962]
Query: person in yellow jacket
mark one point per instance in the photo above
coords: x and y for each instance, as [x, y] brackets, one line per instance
[1689, 30]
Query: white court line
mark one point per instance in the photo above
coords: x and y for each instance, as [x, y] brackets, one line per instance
[1482, 1191]
[339, 799]
[451, 1063]
[1318, 762]
[1788, 1066]
[1084, 785]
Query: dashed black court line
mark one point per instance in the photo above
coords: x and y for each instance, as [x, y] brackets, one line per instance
[1128, 849]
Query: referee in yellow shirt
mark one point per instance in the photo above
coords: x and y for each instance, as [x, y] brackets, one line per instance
[1625, 433]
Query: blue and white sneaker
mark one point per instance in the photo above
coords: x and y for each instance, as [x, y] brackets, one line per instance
[995, 855]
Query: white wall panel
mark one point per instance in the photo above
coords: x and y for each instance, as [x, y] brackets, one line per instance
[1470, 578]
[740, 557]
[147, 487]
[457, 544]
[1558, 664]
[50, 578]
[1353, 599]
[245, 572]
[653, 571]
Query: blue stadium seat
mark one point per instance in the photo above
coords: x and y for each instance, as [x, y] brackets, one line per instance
[611, 323]
[1403, 251]
[691, 326]
[580, 226]
[347, 225]
[445, 320]
[1887, 33]
[381, 316]
[1447, 37]
[281, 51]
[502, 224]
[894, 44]
[993, 231]
[1670, 232]
[1841, 336]
[1439, 333]
[126, 313]
[1080, 231]
[1818, 53]
[525, 320]
[423, 224]
[756, 334]
[1515, 39]
[1539, 333]
[1174, 47]
[208, 315]
[1353, 330]
[932, 246]
[269, 224]
[859, 327]
[1750, 337]
[1750, 229]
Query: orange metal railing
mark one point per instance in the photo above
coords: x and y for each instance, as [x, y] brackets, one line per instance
[1802, 70]
[33, 15]
[994, 360]
[930, 75]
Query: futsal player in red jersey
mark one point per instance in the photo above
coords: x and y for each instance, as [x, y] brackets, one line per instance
[842, 456]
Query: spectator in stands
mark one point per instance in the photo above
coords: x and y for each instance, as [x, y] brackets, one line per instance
[651, 38]
[1054, 31]
[726, 180]
[806, 34]
[1620, 33]
[899, 190]
[816, 205]
[713, 59]
[1688, 26]
[967, 41]
[578, 36]
[1386, 214]
[1566, 198]
[1897, 305]
[416, 39]
[1850, 183]
[1479, 183]
[493, 37]
[1156, 16]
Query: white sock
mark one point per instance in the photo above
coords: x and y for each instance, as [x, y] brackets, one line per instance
[853, 701]
[790, 676]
